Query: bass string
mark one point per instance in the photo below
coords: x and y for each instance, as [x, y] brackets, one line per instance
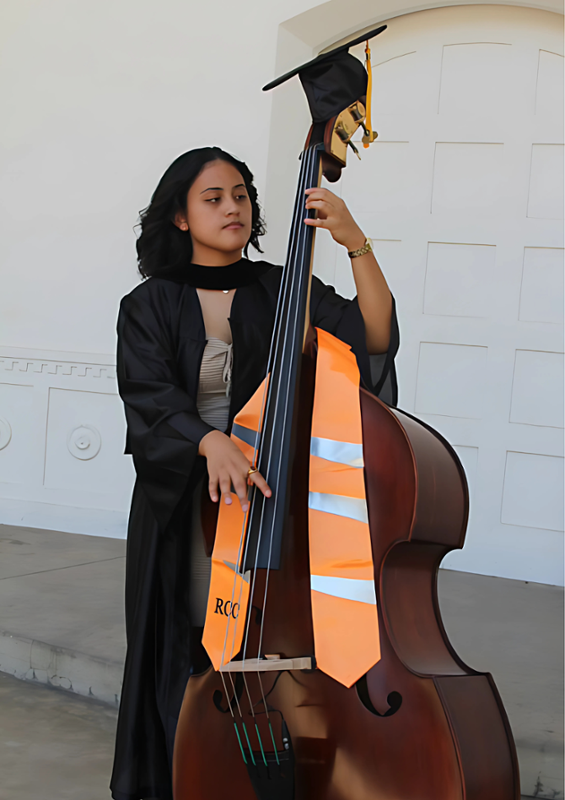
[296, 276]
[303, 277]
[275, 394]
[286, 297]
[241, 717]
[256, 448]
[275, 343]
[283, 385]
[245, 527]
[293, 259]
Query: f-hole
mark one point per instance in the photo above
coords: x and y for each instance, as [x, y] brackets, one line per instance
[394, 699]
[218, 696]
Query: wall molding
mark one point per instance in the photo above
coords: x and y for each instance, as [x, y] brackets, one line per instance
[62, 434]
[65, 363]
[57, 367]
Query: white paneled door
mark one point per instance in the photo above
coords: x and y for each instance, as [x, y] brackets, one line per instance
[463, 196]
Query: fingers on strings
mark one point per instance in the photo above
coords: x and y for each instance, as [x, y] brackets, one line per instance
[236, 482]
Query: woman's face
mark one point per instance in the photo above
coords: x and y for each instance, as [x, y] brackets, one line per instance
[218, 213]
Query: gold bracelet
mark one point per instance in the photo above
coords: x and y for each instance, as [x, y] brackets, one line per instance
[367, 248]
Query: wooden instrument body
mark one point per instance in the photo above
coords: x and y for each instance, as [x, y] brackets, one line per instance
[450, 738]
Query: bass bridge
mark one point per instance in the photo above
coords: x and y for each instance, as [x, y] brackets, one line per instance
[269, 664]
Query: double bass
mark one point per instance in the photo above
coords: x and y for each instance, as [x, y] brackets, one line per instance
[332, 676]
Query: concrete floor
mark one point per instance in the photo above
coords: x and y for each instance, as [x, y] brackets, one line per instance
[64, 588]
[514, 630]
[62, 610]
[61, 624]
[54, 745]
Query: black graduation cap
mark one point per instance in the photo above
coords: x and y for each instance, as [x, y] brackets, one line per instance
[333, 80]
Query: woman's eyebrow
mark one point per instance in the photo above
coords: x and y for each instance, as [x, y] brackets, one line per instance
[221, 188]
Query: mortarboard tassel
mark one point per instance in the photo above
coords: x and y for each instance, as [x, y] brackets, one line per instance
[370, 135]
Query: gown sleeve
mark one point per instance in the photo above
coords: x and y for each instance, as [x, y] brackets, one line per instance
[164, 428]
[343, 318]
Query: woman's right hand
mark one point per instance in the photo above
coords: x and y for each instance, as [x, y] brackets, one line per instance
[228, 466]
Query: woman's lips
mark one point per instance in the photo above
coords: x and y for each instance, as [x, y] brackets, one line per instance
[233, 226]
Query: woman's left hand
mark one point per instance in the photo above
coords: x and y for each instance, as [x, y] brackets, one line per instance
[373, 295]
[334, 216]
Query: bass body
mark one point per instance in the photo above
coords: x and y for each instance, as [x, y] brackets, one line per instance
[420, 725]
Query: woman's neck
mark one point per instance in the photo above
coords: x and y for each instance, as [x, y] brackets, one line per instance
[208, 257]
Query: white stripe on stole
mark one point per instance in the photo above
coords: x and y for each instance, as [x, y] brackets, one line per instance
[338, 504]
[363, 591]
[340, 452]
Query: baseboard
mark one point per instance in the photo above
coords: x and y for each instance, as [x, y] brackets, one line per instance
[68, 519]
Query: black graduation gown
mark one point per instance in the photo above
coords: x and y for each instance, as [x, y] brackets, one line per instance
[161, 339]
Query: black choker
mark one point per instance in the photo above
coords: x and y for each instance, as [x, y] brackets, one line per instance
[242, 273]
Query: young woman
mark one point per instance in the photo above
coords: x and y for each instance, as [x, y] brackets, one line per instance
[193, 342]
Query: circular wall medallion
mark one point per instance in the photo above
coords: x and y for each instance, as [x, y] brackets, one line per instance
[5, 433]
[84, 442]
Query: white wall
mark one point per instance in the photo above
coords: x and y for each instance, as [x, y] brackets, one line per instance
[99, 99]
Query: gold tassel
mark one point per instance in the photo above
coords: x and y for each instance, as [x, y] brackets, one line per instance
[370, 134]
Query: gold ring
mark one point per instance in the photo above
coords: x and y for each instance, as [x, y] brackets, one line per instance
[251, 471]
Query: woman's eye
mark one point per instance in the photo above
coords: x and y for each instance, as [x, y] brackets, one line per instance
[212, 199]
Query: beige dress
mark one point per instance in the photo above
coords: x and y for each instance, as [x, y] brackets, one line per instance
[213, 403]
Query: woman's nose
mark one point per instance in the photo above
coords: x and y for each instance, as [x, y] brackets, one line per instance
[231, 207]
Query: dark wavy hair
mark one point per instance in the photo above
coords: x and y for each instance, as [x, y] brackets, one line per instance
[161, 244]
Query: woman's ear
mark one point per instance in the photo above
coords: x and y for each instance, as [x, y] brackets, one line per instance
[180, 221]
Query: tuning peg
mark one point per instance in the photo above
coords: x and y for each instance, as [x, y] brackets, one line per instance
[355, 150]
[369, 137]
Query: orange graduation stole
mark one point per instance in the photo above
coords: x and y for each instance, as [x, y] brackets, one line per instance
[342, 578]
[344, 609]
